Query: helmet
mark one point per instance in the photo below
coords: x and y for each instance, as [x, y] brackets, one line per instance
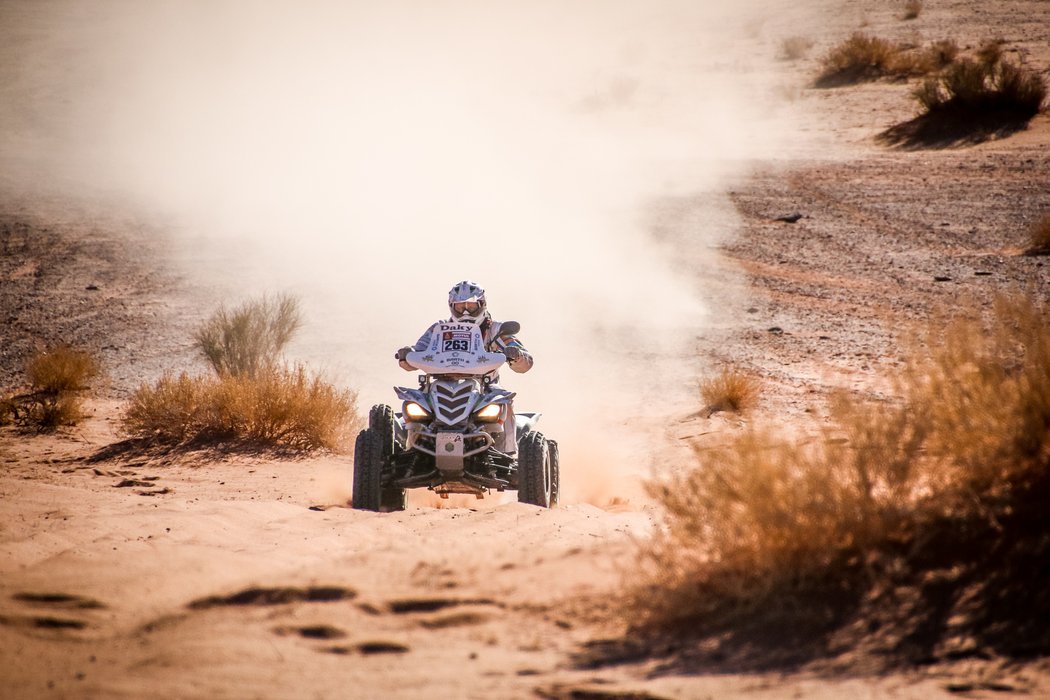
[466, 302]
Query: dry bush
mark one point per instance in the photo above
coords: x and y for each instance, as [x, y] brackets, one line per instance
[250, 338]
[57, 378]
[794, 48]
[253, 399]
[276, 407]
[955, 469]
[1039, 237]
[991, 52]
[981, 89]
[984, 403]
[730, 390]
[51, 411]
[912, 9]
[61, 369]
[943, 53]
[910, 62]
[861, 57]
[764, 518]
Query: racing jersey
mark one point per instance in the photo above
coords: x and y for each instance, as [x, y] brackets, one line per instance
[493, 343]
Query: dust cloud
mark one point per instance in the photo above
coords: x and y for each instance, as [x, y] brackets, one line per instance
[366, 156]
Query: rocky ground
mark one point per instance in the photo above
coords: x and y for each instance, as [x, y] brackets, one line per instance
[75, 276]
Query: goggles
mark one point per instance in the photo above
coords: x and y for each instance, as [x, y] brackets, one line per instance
[469, 308]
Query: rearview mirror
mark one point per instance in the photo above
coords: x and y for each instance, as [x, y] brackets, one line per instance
[509, 328]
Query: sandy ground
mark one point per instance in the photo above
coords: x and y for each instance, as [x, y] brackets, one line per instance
[246, 576]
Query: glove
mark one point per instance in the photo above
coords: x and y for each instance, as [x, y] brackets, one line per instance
[402, 354]
[511, 353]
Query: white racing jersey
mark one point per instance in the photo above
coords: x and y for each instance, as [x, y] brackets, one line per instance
[455, 336]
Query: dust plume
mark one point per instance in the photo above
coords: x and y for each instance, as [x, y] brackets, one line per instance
[366, 156]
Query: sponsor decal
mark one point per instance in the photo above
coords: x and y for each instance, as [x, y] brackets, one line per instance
[455, 340]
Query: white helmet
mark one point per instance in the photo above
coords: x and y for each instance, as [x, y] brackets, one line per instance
[466, 303]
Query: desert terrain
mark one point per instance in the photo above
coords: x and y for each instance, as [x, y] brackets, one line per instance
[127, 571]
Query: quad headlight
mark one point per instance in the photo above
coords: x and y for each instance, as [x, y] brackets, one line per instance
[415, 412]
[489, 414]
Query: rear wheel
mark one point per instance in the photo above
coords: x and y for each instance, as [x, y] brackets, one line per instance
[534, 467]
[552, 450]
[381, 421]
[368, 470]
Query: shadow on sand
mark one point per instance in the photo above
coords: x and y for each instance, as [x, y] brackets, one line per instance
[954, 128]
[201, 449]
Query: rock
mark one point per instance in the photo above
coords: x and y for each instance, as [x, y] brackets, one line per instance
[789, 218]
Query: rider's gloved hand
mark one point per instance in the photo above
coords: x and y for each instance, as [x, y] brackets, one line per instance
[511, 353]
[402, 354]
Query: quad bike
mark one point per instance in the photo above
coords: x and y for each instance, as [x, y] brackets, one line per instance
[452, 433]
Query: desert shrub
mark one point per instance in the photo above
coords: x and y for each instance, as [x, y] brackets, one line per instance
[794, 47]
[983, 400]
[990, 53]
[953, 476]
[61, 369]
[276, 407]
[861, 57]
[765, 517]
[1039, 237]
[912, 9]
[57, 378]
[51, 411]
[916, 61]
[253, 399]
[967, 83]
[980, 89]
[8, 411]
[938, 55]
[250, 338]
[729, 390]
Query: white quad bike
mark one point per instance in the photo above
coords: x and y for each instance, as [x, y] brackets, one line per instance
[450, 435]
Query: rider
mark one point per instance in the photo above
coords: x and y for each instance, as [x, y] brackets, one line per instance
[466, 302]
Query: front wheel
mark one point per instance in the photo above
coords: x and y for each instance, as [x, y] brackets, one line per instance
[534, 467]
[368, 470]
[381, 422]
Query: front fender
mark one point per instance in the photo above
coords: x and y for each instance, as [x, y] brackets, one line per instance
[500, 396]
[413, 395]
[525, 422]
